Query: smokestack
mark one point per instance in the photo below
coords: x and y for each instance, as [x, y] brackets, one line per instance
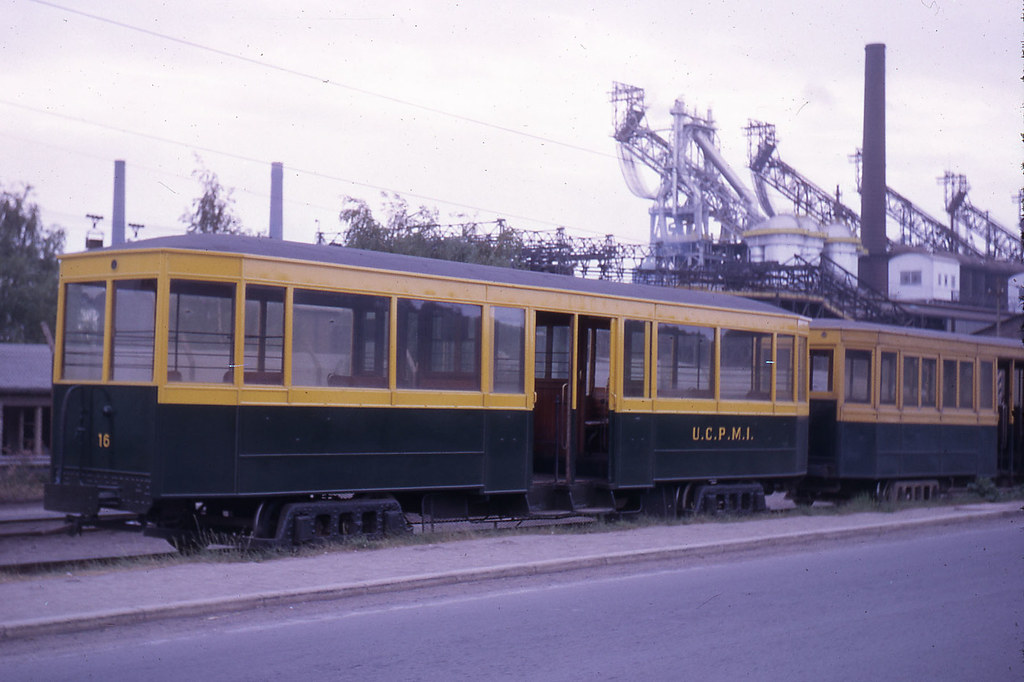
[117, 222]
[874, 268]
[277, 200]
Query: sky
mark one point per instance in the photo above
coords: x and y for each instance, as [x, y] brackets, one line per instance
[483, 109]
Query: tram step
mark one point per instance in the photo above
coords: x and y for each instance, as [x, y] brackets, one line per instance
[577, 497]
[595, 511]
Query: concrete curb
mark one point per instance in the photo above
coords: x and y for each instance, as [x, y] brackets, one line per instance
[234, 604]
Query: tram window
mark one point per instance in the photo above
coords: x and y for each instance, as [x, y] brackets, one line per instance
[509, 354]
[685, 361]
[553, 350]
[858, 376]
[948, 383]
[340, 339]
[84, 317]
[966, 400]
[887, 379]
[438, 345]
[745, 365]
[264, 335]
[985, 385]
[200, 335]
[784, 367]
[597, 345]
[634, 366]
[801, 373]
[928, 382]
[911, 380]
[134, 330]
[821, 371]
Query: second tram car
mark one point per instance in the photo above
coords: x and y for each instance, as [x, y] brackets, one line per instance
[904, 413]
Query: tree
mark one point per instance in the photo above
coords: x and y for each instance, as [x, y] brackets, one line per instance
[417, 233]
[214, 210]
[28, 269]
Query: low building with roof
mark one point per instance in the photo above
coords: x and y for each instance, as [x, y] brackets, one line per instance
[25, 398]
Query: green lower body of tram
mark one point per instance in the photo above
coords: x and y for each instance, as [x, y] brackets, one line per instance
[184, 468]
[918, 458]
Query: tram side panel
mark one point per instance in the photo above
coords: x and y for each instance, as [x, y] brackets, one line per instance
[104, 449]
[710, 446]
[871, 451]
[655, 448]
[279, 450]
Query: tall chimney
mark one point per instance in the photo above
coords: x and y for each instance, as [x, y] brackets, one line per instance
[277, 200]
[874, 267]
[117, 222]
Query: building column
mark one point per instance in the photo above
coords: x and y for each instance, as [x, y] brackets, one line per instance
[38, 449]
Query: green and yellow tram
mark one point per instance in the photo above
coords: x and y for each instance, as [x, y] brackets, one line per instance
[903, 413]
[287, 391]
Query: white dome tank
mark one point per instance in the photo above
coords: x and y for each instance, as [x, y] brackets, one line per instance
[842, 247]
[783, 238]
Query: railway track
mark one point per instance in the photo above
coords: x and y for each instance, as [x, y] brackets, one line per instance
[34, 542]
[41, 544]
[48, 524]
[32, 527]
[73, 565]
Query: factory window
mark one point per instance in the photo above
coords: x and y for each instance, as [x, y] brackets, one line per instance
[887, 379]
[200, 334]
[985, 385]
[910, 277]
[509, 353]
[784, 367]
[84, 318]
[340, 339]
[929, 371]
[745, 363]
[264, 335]
[858, 376]
[634, 366]
[911, 379]
[134, 330]
[438, 345]
[821, 371]
[685, 361]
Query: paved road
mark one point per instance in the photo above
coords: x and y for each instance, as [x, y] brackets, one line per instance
[944, 603]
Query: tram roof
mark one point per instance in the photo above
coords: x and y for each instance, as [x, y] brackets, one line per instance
[856, 325]
[378, 260]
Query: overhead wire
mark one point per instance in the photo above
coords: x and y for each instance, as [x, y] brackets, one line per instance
[320, 79]
[303, 171]
[266, 64]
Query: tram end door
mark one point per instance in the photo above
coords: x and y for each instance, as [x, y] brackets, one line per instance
[593, 385]
[553, 386]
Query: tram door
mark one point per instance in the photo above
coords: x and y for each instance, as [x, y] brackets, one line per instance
[592, 386]
[1010, 395]
[553, 386]
[570, 437]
